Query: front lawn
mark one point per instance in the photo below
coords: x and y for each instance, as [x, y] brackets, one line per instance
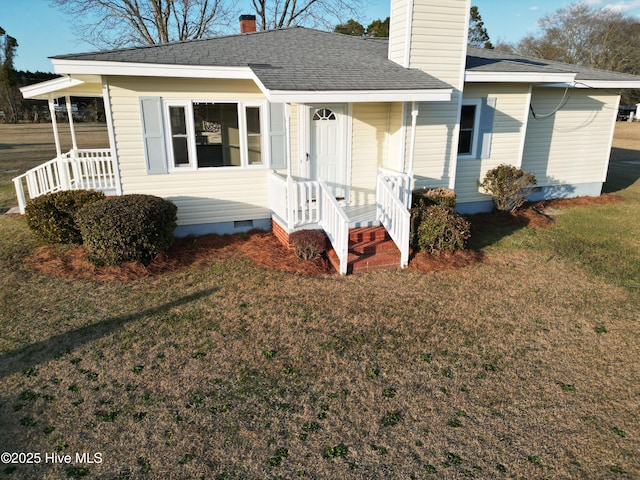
[522, 366]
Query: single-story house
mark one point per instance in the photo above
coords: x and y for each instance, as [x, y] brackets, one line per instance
[299, 128]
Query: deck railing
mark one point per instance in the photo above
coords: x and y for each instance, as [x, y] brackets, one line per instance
[335, 223]
[392, 210]
[76, 169]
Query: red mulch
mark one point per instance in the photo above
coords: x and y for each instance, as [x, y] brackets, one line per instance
[265, 250]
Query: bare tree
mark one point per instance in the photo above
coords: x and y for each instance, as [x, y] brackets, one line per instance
[582, 35]
[117, 23]
[273, 14]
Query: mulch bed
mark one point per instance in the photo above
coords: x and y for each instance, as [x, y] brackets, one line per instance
[265, 250]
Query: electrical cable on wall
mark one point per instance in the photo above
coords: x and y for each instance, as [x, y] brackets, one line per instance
[563, 102]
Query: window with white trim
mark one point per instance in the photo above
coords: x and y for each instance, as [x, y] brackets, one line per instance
[469, 128]
[209, 134]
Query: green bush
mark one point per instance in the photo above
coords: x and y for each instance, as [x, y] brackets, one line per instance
[436, 228]
[308, 244]
[509, 186]
[51, 216]
[433, 196]
[127, 228]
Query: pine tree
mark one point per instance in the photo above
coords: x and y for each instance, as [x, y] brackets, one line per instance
[478, 36]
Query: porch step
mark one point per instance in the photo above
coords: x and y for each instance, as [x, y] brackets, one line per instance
[370, 249]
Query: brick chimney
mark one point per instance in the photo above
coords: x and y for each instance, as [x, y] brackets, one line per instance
[247, 23]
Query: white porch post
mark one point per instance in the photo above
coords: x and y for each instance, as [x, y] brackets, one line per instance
[71, 127]
[54, 123]
[287, 153]
[63, 169]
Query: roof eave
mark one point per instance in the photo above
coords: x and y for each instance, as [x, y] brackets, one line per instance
[359, 96]
[518, 77]
[94, 67]
[42, 90]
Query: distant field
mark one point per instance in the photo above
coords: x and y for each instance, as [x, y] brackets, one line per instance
[25, 146]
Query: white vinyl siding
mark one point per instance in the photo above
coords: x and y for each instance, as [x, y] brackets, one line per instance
[436, 143]
[398, 34]
[439, 38]
[571, 146]
[369, 149]
[205, 196]
[509, 121]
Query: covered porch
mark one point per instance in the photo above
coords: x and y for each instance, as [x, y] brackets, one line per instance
[302, 203]
[77, 168]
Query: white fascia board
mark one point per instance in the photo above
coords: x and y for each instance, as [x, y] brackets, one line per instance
[597, 84]
[519, 77]
[359, 96]
[42, 90]
[82, 67]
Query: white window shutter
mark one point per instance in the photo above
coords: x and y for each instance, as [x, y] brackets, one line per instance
[277, 135]
[487, 113]
[155, 148]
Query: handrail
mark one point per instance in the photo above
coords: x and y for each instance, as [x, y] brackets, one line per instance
[394, 215]
[335, 223]
[400, 183]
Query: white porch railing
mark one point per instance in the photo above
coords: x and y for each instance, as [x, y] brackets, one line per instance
[77, 169]
[336, 225]
[393, 196]
[295, 202]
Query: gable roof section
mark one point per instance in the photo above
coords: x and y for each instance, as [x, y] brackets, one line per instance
[292, 64]
[485, 65]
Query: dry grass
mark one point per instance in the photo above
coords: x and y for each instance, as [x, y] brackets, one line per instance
[521, 366]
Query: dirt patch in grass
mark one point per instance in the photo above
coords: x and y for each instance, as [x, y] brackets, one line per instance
[265, 250]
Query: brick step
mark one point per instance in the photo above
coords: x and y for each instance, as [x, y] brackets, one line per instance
[358, 263]
[367, 234]
[376, 246]
[370, 249]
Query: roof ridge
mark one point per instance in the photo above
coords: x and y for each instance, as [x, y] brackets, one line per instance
[180, 42]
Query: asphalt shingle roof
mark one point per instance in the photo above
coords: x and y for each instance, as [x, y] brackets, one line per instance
[296, 59]
[484, 60]
[302, 59]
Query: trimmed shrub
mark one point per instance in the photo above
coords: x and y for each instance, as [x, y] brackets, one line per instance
[433, 196]
[127, 228]
[437, 228]
[52, 216]
[308, 244]
[509, 186]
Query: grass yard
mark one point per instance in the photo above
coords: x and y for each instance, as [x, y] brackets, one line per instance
[522, 366]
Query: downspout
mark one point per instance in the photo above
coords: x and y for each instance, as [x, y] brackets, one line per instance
[412, 146]
[287, 153]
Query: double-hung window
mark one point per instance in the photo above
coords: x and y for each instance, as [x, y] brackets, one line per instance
[206, 134]
[469, 129]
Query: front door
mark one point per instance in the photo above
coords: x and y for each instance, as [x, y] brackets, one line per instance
[327, 147]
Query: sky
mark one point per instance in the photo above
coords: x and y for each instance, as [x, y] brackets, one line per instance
[43, 31]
